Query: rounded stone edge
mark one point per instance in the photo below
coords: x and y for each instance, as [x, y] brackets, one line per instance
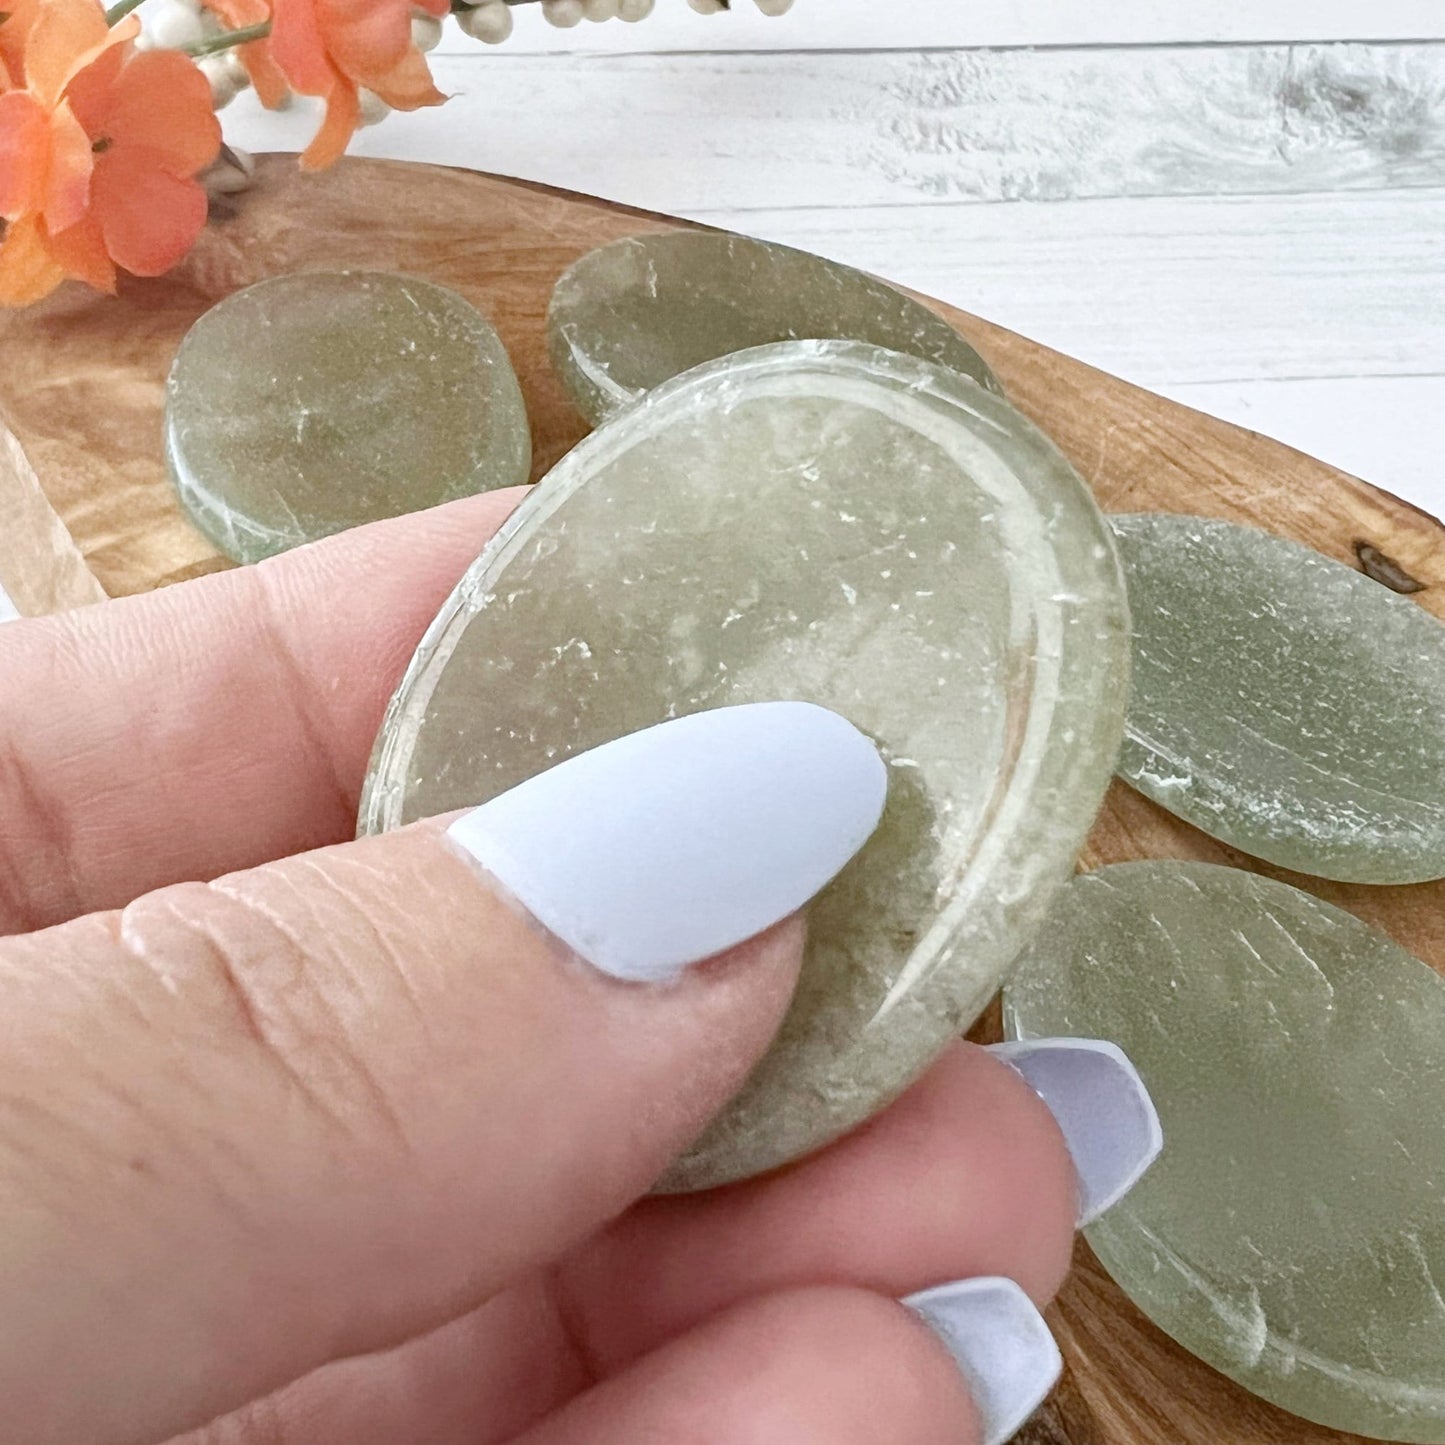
[597, 404]
[247, 543]
[1098, 691]
[1354, 1420]
[1279, 853]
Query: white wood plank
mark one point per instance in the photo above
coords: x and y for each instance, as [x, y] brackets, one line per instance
[681, 132]
[1171, 291]
[918, 24]
[1388, 430]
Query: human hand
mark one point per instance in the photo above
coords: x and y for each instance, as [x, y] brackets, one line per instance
[344, 1149]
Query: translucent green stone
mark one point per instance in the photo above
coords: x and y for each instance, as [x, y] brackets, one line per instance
[832, 523]
[311, 403]
[1292, 1233]
[631, 315]
[1284, 703]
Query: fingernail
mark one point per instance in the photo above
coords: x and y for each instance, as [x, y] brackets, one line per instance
[1001, 1344]
[672, 844]
[1103, 1108]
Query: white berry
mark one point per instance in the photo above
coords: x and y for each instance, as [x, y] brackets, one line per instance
[774, 7]
[374, 109]
[564, 14]
[173, 25]
[600, 10]
[490, 22]
[222, 75]
[426, 31]
[634, 10]
[708, 7]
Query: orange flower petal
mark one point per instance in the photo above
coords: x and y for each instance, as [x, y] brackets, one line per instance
[80, 250]
[343, 115]
[162, 102]
[67, 190]
[365, 37]
[408, 85]
[266, 76]
[88, 91]
[149, 217]
[67, 36]
[24, 153]
[15, 31]
[297, 47]
[27, 269]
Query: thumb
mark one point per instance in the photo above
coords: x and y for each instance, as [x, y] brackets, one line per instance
[310, 1110]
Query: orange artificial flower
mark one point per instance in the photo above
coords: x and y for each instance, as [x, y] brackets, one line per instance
[332, 48]
[271, 87]
[15, 26]
[98, 155]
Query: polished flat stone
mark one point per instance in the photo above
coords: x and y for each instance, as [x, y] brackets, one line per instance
[1284, 703]
[1292, 1233]
[830, 523]
[315, 402]
[631, 315]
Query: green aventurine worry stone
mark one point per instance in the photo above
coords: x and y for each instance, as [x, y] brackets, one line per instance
[629, 316]
[830, 523]
[311, 403]
[1283, 702]
[1292, 1233]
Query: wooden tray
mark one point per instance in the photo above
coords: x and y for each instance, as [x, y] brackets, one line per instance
[80, 389]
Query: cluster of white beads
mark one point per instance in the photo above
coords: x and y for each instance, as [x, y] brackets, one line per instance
[491, 20]
[179, 24]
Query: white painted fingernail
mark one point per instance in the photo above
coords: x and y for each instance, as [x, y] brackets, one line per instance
[672, 844]
[1001, 1344]
[1103, 1108]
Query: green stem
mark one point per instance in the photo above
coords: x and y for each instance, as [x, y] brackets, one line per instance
[230, 39]
[118, 12]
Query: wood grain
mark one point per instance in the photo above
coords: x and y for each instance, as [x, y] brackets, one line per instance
[82, 393]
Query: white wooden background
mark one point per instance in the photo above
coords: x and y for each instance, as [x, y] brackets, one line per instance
[1240, 204]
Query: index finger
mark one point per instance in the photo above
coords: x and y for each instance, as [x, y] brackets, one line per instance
[217, 724]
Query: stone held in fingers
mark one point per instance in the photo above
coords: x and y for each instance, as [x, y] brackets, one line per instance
[823, 522]
[631, 315]
[1283, 702]
[1292, 1232]
[315, 402]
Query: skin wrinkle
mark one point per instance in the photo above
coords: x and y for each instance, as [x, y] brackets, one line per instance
[169, 739]
[48, 841]
[314, 731]
[291, 1022]
[395, 941]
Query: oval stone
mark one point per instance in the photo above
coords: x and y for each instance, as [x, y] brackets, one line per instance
[311, 403]
[1284, 703]
[1292, 1233]
[831, 523]
[631, 315]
